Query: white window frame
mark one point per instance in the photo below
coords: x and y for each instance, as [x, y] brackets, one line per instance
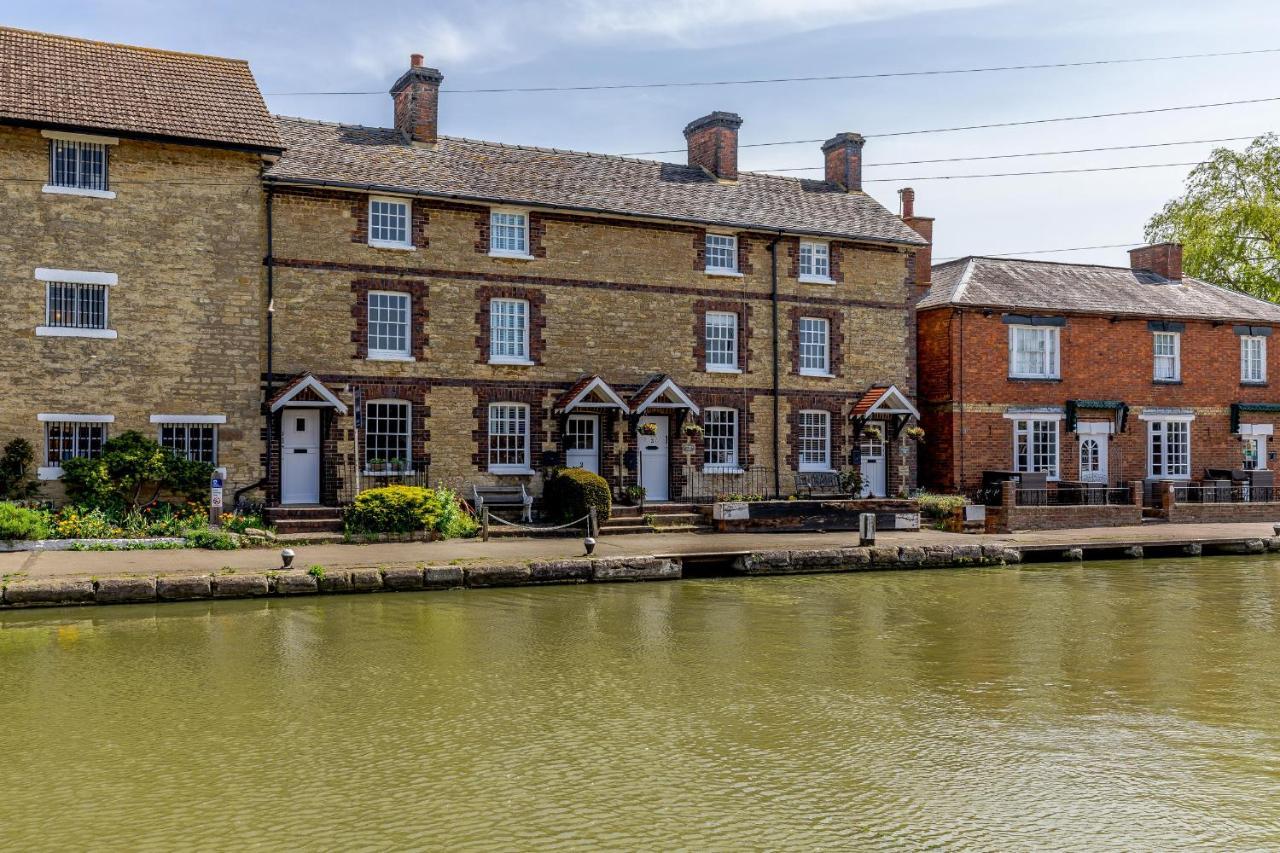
[818, 262]
[50, 277]
[408, 435]
[57, 137]
[521, 253]
[382, 243]
[53, 472]
[1246, 360]
[1053, 349]
[187, 422]
[522, 357]
[524, 467]
[1176, 355]
[1024, 425]
[1159, 424]
[381, 354]
[732, 247]
[732, 449]
[818, 418]
[732, 352]
[825, 368]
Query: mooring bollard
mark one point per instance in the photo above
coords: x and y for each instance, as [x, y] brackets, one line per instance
[484, 524]
[867, 528]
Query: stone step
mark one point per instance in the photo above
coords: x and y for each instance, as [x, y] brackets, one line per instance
[308, 525]
[272, 513]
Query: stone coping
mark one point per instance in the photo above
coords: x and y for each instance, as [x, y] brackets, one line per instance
[138, 589]
[11, 545]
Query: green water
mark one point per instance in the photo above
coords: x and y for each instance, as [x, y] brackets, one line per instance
[1106, 706]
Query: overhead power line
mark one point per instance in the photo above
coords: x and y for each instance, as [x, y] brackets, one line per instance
[1024, 174]
[1024, 154]
[1039, 251]
[1021, 123]
[815, 78]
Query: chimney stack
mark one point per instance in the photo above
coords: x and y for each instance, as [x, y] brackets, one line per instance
[842, 154]
[417, 102]
[922, 225]
[713, 144]
[1163, 259]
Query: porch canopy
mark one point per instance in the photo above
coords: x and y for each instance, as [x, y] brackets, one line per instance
[590, 392]
[883, 401]
[308, 392]
[1118, 409]
[662, 393]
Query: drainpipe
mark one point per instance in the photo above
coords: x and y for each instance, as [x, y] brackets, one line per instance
[773, 296]
[270, 262]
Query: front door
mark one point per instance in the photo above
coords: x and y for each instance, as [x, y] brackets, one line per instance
[874, 468]
[300, 456]
[1093, 458]
[582, 442]
[654, 459]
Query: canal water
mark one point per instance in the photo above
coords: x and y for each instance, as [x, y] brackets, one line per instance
[1127, 706]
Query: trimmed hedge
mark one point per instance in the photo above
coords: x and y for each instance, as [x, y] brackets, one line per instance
[409, 509]
[569, 494]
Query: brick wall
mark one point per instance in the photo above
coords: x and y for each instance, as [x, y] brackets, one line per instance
[965, 391]
[185, 235]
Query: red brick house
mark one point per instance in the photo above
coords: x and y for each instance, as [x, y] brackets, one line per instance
[1092, 373]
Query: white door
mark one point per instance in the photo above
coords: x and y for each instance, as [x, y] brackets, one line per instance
[1093, 458]
[300, 456]
[654, 460]
[582, 442]
[874, 467]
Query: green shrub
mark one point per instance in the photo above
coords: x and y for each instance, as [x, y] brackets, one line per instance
[213, 540]
[570, 493]
[939, 506]
[20, 523]
[409, 509]
[17, 464]
[132, 471]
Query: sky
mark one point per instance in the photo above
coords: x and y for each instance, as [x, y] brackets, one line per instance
[332, 46]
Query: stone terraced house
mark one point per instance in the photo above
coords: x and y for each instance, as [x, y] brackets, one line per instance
[1093, 374]
[131, 250]
[475, 312]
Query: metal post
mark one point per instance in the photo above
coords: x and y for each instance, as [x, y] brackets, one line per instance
[592, 523]
[484, 524]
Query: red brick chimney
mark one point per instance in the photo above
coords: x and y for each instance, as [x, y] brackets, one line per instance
[713, 144]
[417, 101]
[843, 157]
[922, 225]
[1163, 259]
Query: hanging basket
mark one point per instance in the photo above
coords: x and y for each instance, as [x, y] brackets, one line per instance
[647, 428]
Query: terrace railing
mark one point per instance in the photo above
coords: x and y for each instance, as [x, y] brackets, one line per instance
[349, 477]
[1075, 495]
[753, 482]
[1221, 492]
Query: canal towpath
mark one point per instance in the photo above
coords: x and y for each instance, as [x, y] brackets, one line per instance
[469, 552]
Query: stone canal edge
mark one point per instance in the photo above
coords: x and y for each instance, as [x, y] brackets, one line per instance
[139, 589]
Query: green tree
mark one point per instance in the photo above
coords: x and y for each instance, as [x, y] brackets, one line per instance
[1229, 219]
[132, 471]
[16, 469]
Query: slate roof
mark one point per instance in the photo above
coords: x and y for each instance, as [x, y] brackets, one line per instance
[1009, 283]
[58, 81]
[377, 158]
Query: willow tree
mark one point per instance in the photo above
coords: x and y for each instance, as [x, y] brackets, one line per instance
[1228, 220]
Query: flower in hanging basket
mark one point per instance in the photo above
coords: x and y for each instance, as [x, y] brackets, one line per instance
[915, 433]
[872, 431]
[648, 428]
[693, 430]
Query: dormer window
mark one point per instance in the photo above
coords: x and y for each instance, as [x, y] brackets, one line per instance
[389, 223]
[509, 234]
[78, 164]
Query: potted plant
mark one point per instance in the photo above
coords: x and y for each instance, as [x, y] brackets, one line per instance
[851, 482]
[647, 428]
[692, 430]
[915, 433]
[635, 495]
[377, 466]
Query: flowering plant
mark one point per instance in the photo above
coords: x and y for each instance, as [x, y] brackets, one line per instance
[915, 433]
[692, 430]
[648, 428]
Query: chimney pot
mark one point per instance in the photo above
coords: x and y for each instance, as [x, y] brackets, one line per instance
[1163, 259]
[416, 96]
[713, 144]
[842, 155]
[908, 198]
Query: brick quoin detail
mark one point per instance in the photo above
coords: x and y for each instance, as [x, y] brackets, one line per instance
[418, 313]
[537, 319]
[745, 243]
[835, 337]
[700, 249]
[488, 394]
[742, 312]
[836, 254]
[833, 405]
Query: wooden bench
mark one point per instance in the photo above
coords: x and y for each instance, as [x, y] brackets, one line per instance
[497, 497]
[820, 482]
